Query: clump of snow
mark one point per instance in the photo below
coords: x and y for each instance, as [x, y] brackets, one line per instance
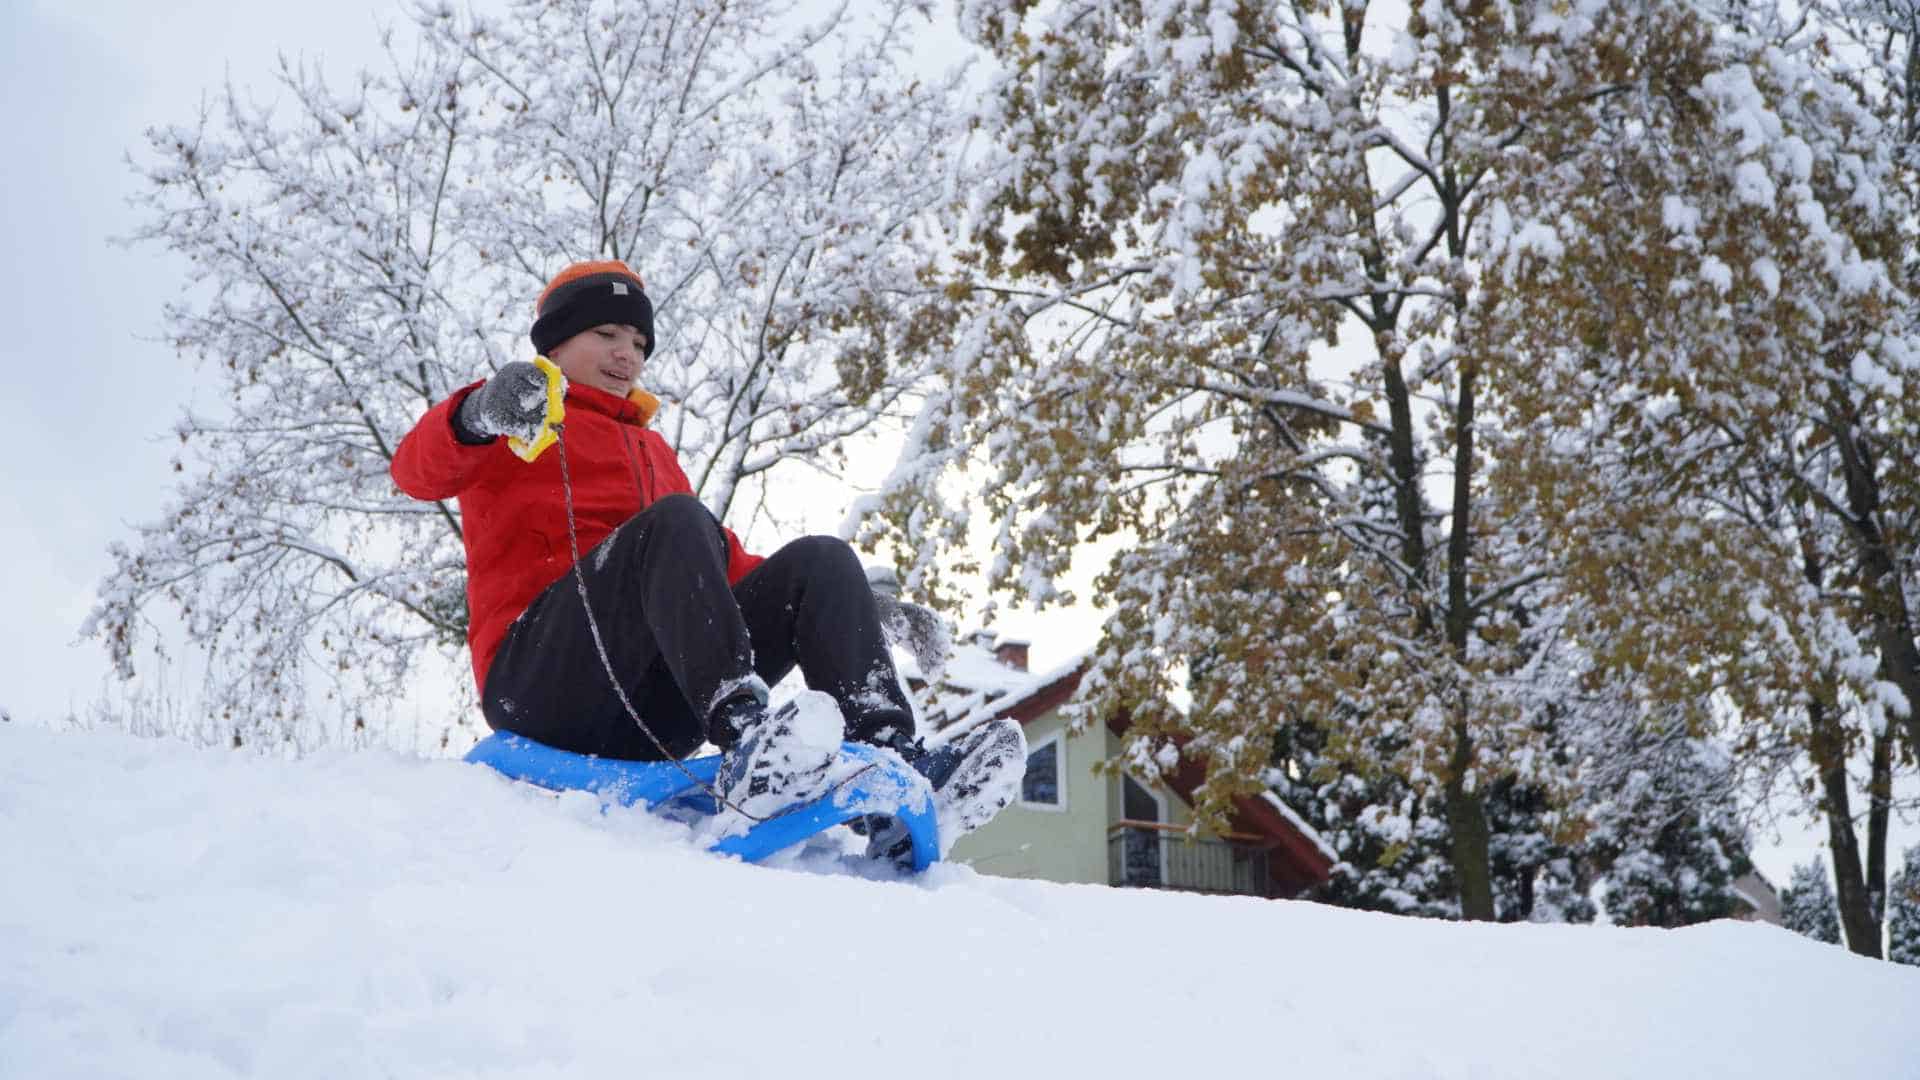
[1751, 184]
[179, 912]
[1679, 216]
[1716, 273]
[817, 720]
[1540, 238]
[1872, 375]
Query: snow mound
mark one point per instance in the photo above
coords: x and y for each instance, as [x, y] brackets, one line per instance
[170, 912]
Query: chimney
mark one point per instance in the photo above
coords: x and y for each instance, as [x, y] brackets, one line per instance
[1012, 652]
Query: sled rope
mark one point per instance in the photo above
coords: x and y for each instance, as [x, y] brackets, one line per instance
[606, 662]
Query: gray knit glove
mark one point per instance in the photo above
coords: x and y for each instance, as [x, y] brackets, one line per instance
[513, 402]
[913, 627]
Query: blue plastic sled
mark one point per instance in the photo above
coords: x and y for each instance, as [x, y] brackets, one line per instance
[864, 782]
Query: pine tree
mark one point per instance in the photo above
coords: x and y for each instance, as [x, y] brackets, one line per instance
[1903, 911]
[1392, 843]
[1807, 906]
[1539, 875]
[1665, 840]
[1662, 838]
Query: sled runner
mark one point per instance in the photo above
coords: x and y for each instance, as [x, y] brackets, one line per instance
[865, 781]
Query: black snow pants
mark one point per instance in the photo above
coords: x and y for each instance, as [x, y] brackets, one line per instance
[678, 637]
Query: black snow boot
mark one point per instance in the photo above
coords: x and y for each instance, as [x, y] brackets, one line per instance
[974, 776]
[780, 759]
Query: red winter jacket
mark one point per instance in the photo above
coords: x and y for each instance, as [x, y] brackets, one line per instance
[513, 514]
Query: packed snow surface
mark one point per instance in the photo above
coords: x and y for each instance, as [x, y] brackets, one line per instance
[173, 912]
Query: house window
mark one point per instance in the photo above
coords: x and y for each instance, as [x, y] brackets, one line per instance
[1041, 786]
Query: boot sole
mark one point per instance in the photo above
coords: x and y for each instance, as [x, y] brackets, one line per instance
[798, 752]
[983, 783]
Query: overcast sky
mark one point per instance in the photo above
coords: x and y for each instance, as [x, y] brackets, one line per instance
[89, 396]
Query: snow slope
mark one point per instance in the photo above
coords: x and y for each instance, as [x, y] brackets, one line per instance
[171, 912]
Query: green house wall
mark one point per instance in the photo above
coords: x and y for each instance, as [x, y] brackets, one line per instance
[1066, 844]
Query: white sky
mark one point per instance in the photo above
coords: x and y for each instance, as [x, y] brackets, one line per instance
[82, 82]
[91, 396]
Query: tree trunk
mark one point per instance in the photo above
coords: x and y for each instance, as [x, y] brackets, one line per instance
[1880, 580]
[1879, 810]
[1466, 811]
[1858, 919]
[1470, 847]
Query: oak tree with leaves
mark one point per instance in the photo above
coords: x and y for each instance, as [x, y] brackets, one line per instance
[1725, 395]
[1189, 205]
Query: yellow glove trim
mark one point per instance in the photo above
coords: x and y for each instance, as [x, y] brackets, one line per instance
[556, 412]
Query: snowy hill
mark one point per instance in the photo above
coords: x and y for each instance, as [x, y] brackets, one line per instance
[169, 912]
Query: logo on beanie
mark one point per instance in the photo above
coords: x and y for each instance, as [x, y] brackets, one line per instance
[619, 288]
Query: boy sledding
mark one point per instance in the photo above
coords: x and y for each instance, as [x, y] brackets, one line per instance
[611, 614]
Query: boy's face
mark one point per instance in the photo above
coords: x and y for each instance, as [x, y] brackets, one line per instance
[607, 357]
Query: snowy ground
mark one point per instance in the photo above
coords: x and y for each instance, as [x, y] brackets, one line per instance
[171, 912]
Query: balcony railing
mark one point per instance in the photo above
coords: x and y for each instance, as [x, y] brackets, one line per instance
[1145, 854]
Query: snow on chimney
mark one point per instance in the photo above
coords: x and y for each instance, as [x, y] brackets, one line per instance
[1013, 653]
[1010, 653]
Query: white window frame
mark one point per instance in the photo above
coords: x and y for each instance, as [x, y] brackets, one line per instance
[1058, 738]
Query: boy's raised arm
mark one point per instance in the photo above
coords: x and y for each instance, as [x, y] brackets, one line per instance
[433, 461]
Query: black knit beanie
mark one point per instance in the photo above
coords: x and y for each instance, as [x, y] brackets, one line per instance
[589, 294]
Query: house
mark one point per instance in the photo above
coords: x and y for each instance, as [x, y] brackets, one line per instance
[1762, 902]
[1073, 825]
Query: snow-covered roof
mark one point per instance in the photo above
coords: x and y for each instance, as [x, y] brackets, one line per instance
[977, 684]
[1300, 823]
